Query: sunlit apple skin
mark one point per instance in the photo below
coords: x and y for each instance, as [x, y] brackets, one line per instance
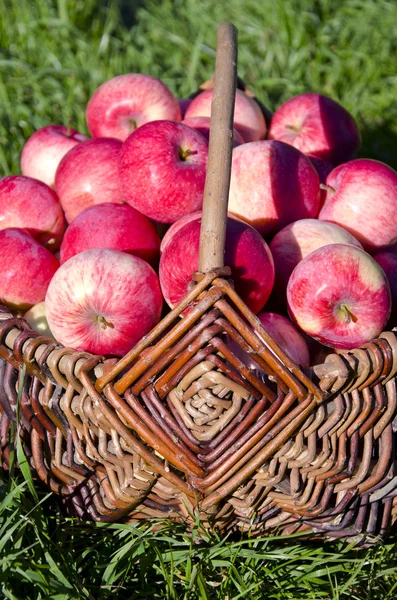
[248, 117]
[202, 125]
[295, 241]
[340, 296]
[125, 102]
[45, 149]
[317, 126]
[114, 226]
[388, 262]
[30, 204]
[103, 301]
[246, 253]
[362, 198]
[26, 269]
[272, 184]
[162, 170]
[88, 175]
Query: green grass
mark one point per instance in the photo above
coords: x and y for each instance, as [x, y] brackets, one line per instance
[52, 57]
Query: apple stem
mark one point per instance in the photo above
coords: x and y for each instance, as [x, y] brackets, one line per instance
[184, 154]
[328, 188]
[347, 313]
[132, 125]
[102, 322]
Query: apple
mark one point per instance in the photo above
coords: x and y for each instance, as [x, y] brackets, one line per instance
[184, 103]
[202, 125]
[37, 319]
[287, 337]
[388, 262]
[248, 117]
[246, 253]
[162, 170]
[340, 296]
[169, 234]
[115, 226]
[362, 198]
[125, 102]
[323, 167]
[290, 245]
[26, 269]
[88, 175]
[45, 149]
[272, 184]
[317, 126]
[103, 301]
[30, 204]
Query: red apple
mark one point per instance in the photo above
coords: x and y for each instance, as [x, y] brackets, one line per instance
[248, 117]
[45, 149]
[162, 170]
[88, 175]
[114, 226]
[287, 337]
[103, 301]
[26, 269]
[362, 198]
[340, 296]
[290, 245]
[126, 102]
[317, 126]
[246, 253]
[202, 125]
[29, 204]
[171, 231]
[272, 185]
[388, 262]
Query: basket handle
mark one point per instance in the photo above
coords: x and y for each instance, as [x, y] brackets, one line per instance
[216, 191]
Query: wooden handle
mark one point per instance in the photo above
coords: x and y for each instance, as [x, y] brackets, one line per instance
[216, 191]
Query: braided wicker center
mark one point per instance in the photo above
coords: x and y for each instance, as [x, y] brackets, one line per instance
[207, 401]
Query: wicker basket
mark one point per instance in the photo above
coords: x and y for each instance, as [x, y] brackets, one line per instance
[181, 428]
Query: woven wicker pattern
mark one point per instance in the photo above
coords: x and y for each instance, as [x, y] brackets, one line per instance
[180, 426]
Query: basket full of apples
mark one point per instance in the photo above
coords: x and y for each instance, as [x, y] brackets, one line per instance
[196, 325]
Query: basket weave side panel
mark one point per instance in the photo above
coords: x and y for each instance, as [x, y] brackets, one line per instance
[196, 432]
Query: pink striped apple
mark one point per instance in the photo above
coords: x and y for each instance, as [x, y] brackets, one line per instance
[125, 102]
[290, 245]
[246, 253]
[272, 184]
[88, 175]
[361, 196]
[248, 117]
[26, 269]
[45, 149]
[103, 301]
[317, 126]
[202, 125]
[113, 226]
[162, 170]
[30, 204]
[340, 296]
